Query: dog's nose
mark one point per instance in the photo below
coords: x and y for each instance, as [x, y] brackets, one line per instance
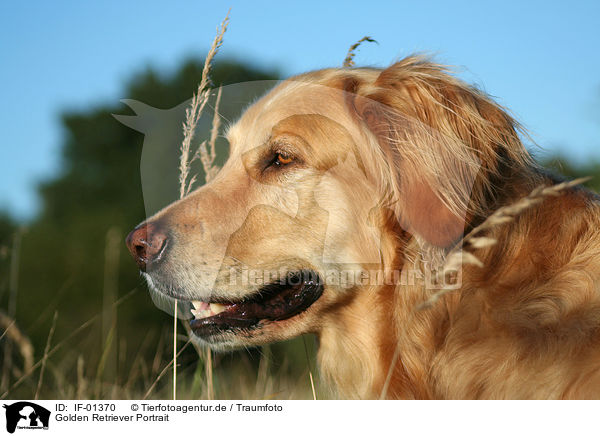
[147, 244]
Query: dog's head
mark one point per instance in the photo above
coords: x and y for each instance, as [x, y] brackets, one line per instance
[330, 177]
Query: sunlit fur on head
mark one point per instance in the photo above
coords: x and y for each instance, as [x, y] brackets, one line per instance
[396, 165]
[432, 127]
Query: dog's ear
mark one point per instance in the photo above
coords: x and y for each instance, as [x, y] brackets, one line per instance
[441, 142]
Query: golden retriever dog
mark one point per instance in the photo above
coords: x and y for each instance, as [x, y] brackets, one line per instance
[345, 192]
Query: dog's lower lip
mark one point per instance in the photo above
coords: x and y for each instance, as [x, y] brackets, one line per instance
[276, 301]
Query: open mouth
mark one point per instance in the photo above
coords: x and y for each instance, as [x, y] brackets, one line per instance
[274, 302]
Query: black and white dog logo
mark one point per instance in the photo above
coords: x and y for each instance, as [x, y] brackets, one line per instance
[26, 415]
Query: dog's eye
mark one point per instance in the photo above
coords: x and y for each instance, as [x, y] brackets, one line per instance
[282, 159]
[277, 160]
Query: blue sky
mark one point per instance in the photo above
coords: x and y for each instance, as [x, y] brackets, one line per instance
[540, 59]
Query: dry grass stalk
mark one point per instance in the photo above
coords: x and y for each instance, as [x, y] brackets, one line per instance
[194, 112]
[136, 365]
[45, 358]
[208, 365]
[12, 303]
[388, 377]
[81, 382]
[349, 61]
[7, 326]
[459, 257]
[263, 370]
[164, 371]
[12, 333]
[158, 356]
[310, 373]
[312, 384]
[206, 155]
[175, 354]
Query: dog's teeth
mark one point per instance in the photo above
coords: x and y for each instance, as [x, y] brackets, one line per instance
[199, 314]
[200, 305]
[200, 310]
[204, 310]
[216, 308]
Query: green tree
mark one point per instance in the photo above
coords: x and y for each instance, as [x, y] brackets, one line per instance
[562, 165]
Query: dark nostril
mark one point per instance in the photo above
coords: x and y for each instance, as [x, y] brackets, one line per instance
[146, 244]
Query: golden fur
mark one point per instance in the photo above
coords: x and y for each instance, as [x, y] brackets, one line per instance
[390, 169]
